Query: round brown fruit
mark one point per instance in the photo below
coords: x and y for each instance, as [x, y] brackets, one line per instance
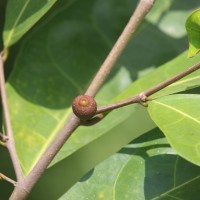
[84, 107]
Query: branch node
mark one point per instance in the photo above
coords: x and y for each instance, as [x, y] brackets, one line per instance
[8, 127]
[4, 138]
[4, 54]
[18, 185]
[142, 99]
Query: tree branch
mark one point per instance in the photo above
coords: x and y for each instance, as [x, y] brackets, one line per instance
[3, 137]
[3, 177]
[142, 9]
[142, 97]
[24, 187]
[10, 144]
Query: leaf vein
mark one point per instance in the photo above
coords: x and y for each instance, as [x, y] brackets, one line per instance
[184, 81]
[178, 111]
[16, 22]
[62, 72]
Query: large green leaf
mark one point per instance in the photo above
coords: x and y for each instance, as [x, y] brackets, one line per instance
[178, 117]
[162, 73]
[193, 30]
[97, 149]
[151, 79]
[31, 111]
[56, 63]
[143, 170]
[21, 15]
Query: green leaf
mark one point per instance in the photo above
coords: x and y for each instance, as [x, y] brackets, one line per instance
[77, 38]
[103, 140]
[178, 117]
[56, 63]
[21, 15]
[193, 30]
[146, 169]
[165, 72]
[63, 54]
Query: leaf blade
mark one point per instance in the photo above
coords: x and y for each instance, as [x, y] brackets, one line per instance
[137, 172]
[193, 31]
[54, 44]
[178, 118]
[164, 72]
[21, 16]
[64, 47]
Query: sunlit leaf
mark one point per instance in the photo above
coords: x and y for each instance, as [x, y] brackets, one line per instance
[179, 118]
[165, 72]
[56, 63]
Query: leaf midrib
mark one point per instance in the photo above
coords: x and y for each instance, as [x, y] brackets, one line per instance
[178, 111]
[177, 187]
